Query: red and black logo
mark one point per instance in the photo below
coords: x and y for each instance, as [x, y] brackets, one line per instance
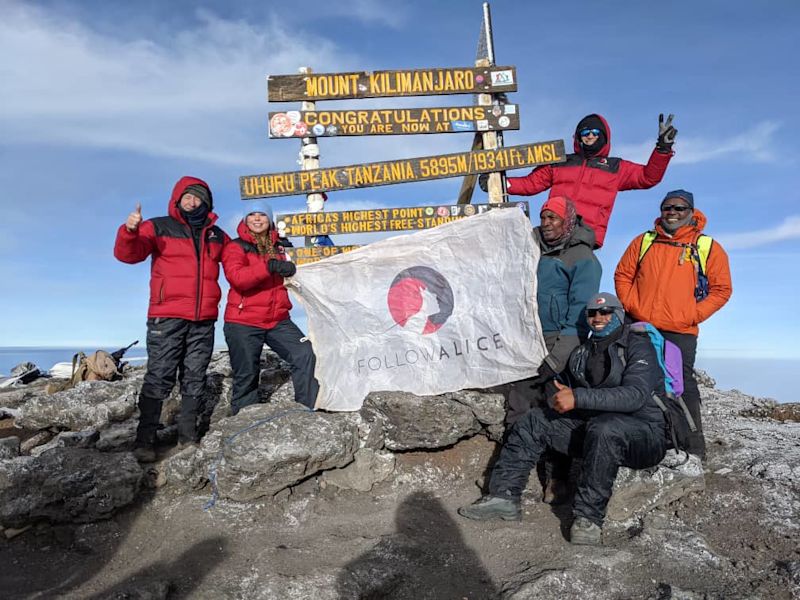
[420, 299]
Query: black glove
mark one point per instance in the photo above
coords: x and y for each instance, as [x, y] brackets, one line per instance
[666, 134]
[545, 374]
[483, 182]
[284, 268]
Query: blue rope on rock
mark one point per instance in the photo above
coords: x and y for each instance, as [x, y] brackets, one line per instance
[212, 471]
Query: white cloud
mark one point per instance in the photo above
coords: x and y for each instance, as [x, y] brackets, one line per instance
[67, 84]
[788, 229]
[754, 145]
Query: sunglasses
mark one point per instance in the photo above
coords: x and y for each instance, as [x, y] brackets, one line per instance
[675, 207]
[603, 311]
[585, 132]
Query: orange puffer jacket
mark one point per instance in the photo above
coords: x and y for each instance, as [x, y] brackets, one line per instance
[660, 289]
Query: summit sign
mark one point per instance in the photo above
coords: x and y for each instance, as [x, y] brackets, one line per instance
[382, 84]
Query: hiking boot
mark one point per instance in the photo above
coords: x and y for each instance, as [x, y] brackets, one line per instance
[492, 507]
[556, 492]
[145, 454]
[585, 533]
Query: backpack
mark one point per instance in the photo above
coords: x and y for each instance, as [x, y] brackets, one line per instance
[679, 420]
[697, 253]
[98, 366]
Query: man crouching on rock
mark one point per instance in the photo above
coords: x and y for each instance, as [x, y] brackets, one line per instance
[607, 416]
[186, 249]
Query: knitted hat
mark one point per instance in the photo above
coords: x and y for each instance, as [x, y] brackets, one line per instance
[683, 194]
[259, 206]
[556, 204]
[201, 192]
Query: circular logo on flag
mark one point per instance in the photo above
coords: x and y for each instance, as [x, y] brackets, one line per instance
[420, 299]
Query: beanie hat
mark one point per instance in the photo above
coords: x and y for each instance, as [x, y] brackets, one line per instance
[688, 196]
[606, 300]
[556, 204]
[259, 206]
[201, 192]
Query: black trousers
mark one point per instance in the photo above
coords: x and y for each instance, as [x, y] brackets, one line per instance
[173, 346]
[605, 442]
[245, 343]
[691, 394]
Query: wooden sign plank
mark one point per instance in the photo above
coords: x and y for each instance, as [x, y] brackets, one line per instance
[396, 121]
[305, 255]
[405, 218]
[383, 84]
[401, 171]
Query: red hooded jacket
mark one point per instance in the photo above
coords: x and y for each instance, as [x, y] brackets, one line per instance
[183, 282]
[592, 183]
[257, 297]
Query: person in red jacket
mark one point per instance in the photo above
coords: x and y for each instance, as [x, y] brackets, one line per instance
[257, 312]
[185, 249]
[592, 178]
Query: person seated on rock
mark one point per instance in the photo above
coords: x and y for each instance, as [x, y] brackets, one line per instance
[567, 276]
[258, 307]
[606, 414]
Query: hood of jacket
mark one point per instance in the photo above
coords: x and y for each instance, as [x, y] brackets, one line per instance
[244, 232]
[581, 234]
[178, 191]
[687, 233]
[605, 150]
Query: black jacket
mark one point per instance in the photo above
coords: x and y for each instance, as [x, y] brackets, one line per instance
[629, 387]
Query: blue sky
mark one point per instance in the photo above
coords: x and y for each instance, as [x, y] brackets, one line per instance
[105, 104]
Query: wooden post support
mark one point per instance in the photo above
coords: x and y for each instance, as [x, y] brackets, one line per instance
[496, 194]
[468, 185]
[310, 160]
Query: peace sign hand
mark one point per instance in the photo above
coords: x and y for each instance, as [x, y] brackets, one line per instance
[666, 133]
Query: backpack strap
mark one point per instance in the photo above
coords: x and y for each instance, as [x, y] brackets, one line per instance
[703, 245]
[647, 240]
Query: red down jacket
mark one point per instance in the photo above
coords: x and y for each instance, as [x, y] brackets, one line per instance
[592, 183]
[183, 283]
[257, 297]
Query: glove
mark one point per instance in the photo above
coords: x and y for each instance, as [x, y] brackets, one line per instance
[284, 268]
[545, 374]
[483, 182]
[666, 134]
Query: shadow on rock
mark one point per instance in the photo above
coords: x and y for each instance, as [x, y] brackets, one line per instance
[425, 558]
[177, 578]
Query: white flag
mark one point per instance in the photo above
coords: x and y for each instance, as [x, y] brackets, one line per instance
[437, 311]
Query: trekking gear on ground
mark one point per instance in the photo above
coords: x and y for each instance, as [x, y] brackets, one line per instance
[697, 253]
[680, 423]
[118, 354]
[98, 366]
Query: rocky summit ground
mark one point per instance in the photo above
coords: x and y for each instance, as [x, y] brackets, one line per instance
[281, 503]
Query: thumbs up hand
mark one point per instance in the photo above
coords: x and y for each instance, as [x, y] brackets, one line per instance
[563, 400]
[135, 218]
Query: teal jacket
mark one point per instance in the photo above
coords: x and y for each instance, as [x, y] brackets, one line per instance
[568, 275]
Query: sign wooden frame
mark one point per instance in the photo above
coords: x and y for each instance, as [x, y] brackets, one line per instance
[424, 168]
[395, 121]
[406, 218]
[386, 84]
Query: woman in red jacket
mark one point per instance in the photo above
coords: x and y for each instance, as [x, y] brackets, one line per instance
[257, 312]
